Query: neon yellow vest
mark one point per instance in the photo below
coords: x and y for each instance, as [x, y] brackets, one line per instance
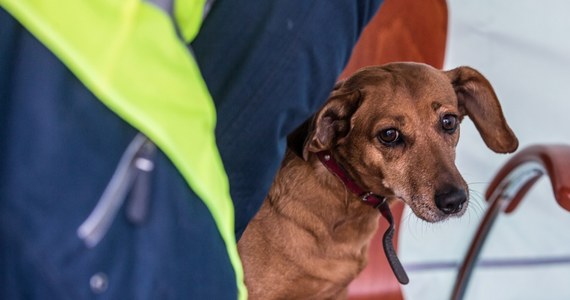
[129, 55]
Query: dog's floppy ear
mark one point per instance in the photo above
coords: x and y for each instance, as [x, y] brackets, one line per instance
[477, 100]
[332, 122]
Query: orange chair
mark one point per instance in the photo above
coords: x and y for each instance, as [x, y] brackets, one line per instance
[403, 30]
[507, 190]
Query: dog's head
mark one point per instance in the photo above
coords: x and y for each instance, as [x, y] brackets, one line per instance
[394, 128]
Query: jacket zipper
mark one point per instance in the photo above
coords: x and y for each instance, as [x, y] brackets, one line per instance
[132, 175]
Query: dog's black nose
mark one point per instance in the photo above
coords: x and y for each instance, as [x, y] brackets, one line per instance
[450, 200]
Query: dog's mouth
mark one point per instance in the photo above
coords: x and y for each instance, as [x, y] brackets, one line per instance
[427, 210]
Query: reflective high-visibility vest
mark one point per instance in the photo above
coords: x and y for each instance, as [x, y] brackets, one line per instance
[128, 53]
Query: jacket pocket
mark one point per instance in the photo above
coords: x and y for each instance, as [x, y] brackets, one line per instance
[130, 183]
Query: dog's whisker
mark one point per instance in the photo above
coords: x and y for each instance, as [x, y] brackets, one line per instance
[479, 182]
[417, 226]
[411, 222]
[477, 199]
[477, 207]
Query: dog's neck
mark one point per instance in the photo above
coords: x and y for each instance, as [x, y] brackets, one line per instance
[322, 196]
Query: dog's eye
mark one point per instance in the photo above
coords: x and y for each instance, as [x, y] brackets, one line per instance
[449, 123]
[389, 136]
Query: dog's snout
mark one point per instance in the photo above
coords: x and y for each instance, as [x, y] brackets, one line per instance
[450, 200]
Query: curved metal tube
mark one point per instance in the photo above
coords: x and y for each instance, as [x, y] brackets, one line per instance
[508, 188]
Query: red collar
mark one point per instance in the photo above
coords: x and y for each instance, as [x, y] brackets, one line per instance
[375, 201]
[369, 198]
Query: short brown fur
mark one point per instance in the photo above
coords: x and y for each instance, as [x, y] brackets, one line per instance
[310, 238]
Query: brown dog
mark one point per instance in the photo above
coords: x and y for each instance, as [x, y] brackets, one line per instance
[394, 130]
